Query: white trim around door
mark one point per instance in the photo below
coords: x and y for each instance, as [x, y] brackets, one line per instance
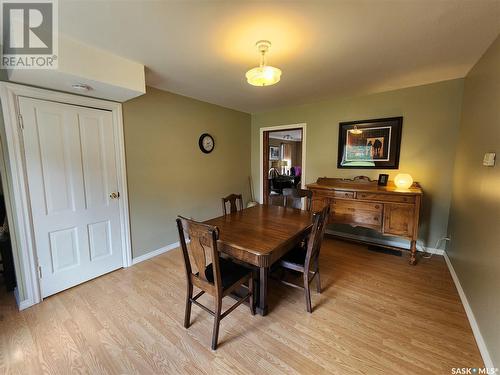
[16, 180]
[302, 126]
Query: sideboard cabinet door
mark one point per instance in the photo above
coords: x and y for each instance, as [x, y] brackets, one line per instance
[399, 219]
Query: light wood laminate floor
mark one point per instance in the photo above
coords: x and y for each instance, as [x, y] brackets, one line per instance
[376, 315]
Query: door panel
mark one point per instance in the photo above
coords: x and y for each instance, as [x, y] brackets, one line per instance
[55, 166]
[94, 141]
[64, 249]
[399, 219]
[71, 168]
[100, 239]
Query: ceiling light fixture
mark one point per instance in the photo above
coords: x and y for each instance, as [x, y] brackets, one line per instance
[356, 131]
[81, 87]
[263, 75]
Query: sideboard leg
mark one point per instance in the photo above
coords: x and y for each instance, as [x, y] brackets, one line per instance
[413, 255]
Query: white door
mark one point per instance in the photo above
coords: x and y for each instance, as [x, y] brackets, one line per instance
[73, 189]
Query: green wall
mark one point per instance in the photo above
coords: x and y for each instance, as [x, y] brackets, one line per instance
[475, 210]
[167, 173]
[430, 125]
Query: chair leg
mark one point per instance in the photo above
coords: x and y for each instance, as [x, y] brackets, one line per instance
[318, 280]
[307, 292]
[215, 333]
[251, 297]
[187, 313]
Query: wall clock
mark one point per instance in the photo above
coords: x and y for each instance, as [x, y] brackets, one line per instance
[206, 143]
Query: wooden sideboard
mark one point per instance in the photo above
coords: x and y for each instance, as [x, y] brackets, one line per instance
[362, 202]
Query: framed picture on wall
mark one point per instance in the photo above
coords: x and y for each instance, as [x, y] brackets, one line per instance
[370, 144]
[274, 153]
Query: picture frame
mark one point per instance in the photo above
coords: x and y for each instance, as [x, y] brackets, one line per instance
[383, 179]
[370, 144]
[274, 153]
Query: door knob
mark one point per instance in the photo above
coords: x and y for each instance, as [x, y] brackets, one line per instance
[114, 195]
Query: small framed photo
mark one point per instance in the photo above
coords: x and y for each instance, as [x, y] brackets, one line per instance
[383, 179]
[274, 153]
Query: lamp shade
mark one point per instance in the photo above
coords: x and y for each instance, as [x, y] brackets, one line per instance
[403, 181]
[263, 76]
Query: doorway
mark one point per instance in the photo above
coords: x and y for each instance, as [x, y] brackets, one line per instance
[282, 161]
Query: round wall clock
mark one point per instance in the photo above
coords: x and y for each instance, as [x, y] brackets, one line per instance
[206, 143]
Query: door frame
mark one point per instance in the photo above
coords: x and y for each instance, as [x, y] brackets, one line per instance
[16, 188]
[302, 126]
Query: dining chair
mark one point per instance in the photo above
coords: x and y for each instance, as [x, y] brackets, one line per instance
[306, 261]
[235, 203]
[218, 278]
[293, 198]
[276, 200]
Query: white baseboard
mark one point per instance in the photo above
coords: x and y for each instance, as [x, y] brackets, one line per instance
[21, 305]
[155, 253]
[383, 241]
[488, 363]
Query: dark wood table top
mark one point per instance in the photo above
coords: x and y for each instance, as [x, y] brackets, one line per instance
[262, 234]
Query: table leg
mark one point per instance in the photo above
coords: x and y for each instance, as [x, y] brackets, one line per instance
[413, 255]
[262, 307]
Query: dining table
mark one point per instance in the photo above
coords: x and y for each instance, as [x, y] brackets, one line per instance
[259, 236]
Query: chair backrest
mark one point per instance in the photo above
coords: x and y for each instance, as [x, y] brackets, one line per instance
[203, 238]
[293, 198]
[320, 220]
[235, 203]
[276, 200]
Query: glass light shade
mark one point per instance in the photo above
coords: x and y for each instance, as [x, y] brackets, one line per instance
[356, 131]
[263, 76]
[403, 181]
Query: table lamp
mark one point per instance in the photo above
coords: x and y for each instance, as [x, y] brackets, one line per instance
[283, 164]
[403, 181]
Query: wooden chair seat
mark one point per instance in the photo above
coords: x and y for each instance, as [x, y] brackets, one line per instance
[230, 273]
[294, 258]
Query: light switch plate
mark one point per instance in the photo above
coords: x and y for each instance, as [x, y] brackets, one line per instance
[489, 159]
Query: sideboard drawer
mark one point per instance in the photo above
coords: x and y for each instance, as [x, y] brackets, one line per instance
[343, 194]
[347, 205]
[335, 194]
[356, 213]
[386, 197]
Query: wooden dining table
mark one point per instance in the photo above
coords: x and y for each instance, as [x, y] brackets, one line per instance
[259, 236]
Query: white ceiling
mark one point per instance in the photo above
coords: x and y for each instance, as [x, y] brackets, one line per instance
[295, 134]
[202, 49]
